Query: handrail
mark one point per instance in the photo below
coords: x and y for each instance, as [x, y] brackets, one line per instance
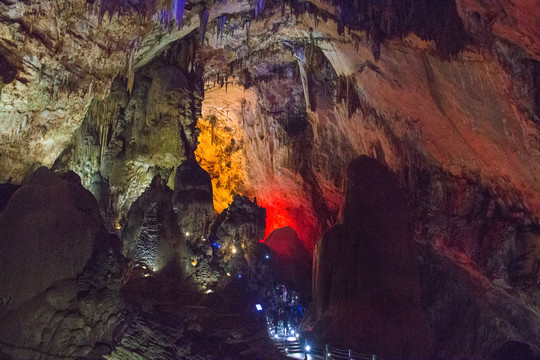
[328, 352]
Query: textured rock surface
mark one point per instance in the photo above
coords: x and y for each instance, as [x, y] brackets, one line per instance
[236, 235]
[151, 235]
[128, 138]
[62, 272]
[445, 94]
[193, 201]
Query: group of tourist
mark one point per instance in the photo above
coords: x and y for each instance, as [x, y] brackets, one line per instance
[283, 310]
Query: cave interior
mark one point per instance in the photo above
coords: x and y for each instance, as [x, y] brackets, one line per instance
[264, 179]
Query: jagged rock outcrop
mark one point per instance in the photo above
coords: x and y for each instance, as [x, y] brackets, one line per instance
[290, 262]
[151, 235]
[193, 200]
[236, 235]
[130, 137]
[61, 272]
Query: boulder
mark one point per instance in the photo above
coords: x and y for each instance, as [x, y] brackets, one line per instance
[290, 262]
[62, 272]
[48, 231]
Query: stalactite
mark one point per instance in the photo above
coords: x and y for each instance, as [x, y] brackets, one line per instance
[381, 20]
[178, 11]
[130, 71]
[221, 26]
[259, 7]
[346, 91]
[165, 15]
[248, 26]
[203, 16]
[305, 83]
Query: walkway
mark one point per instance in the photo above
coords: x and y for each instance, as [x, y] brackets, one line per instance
[292, 345]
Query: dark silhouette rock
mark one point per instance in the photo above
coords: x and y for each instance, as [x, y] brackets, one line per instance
[290, 262]
[6, 192]
[366, 278]
[62, 271]
[513, 350]
[50, 225]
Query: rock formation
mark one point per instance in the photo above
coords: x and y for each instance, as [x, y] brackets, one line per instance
[237, 233]
[373, 282]
[193, 201]
[273, 100]
[61, 272]
[151, 235]
[130, 137]
[366, 280]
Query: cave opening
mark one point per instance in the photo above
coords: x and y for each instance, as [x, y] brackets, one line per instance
[269, 179]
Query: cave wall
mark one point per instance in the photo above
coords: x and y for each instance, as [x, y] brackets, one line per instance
[468, 85]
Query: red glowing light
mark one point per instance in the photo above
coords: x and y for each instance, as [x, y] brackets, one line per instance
[280, 213]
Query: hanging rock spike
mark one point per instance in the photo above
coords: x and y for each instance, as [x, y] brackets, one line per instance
[204, 23]
[259, 7]
[178, 11]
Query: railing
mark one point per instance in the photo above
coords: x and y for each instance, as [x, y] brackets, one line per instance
[328, 352]
[292, 343]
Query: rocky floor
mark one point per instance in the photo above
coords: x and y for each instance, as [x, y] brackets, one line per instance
[180, 325]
